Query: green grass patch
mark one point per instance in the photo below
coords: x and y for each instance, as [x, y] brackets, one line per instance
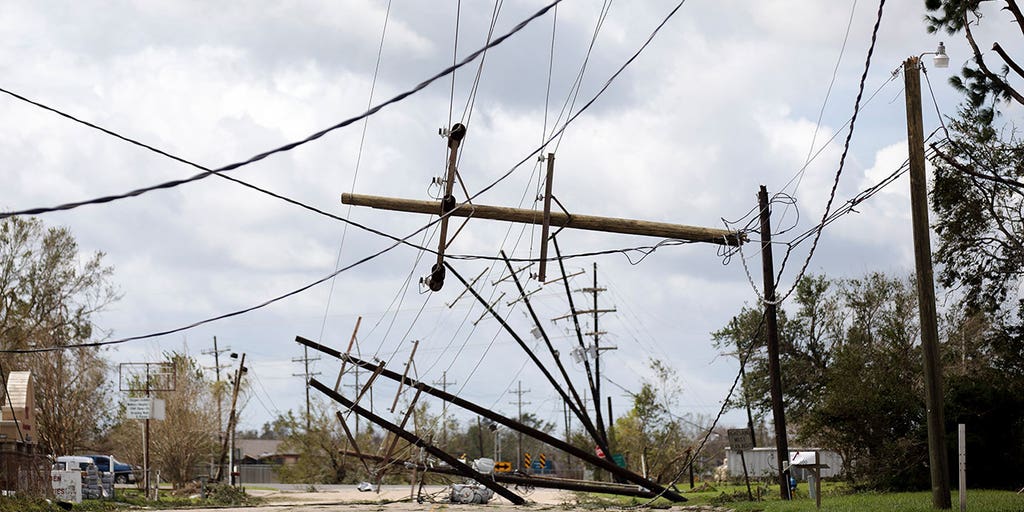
[977, 501]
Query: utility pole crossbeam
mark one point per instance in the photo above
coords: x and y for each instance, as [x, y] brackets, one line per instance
[938, 460]
[525, 216]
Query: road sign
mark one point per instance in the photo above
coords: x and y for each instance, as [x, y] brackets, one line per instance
[139, 408]
[739, 439]
[598, 451]
[543, 460]
[502, 467]
[620, 459]
[527, 460]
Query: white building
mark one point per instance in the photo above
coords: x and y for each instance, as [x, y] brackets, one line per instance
[762, 462]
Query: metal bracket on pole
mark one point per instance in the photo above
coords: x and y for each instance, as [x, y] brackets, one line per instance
[436, 278]
[408, 365]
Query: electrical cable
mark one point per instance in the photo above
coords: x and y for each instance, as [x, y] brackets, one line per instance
[255, 158]
[355, 174]
[842, 161]
[398, 242]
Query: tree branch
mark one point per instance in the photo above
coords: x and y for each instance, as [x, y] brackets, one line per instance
[984, 69]
[1011, 5]
[1006, 58]
[988, 177]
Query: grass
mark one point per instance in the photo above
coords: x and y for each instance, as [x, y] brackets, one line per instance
[836, 497]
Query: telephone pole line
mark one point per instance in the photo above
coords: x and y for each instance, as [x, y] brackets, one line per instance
[519, 403]
[444, 382]
[216, 352]
[305, 359]
[596, 333]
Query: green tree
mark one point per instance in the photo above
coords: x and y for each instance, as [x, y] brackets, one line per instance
[649, 435]
[319, 449]
[187, 438]
[851, 374]
[978, 189]
[49, 295]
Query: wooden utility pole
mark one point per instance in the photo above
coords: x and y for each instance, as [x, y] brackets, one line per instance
[524, 216]
[232, 419]
[938, 462]
[772, 331]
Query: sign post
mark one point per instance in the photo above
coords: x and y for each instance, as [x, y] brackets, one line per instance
[740, 440]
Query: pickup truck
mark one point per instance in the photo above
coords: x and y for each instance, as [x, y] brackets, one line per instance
[123, 473]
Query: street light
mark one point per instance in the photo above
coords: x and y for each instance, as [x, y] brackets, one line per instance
[937, 459]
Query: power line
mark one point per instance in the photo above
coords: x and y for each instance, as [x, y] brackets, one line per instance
[403, 240]
[207, 172]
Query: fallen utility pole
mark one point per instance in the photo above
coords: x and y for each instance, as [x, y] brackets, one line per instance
[417, 441]
[574, 221]
[545, 482]
[543, 437]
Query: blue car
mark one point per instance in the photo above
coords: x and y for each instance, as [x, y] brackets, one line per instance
[123, 473]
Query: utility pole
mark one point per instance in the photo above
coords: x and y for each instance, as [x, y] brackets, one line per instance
[232, 420]
[938, 462]
[444, 408]
[216, 352]
[519, 402]
[596, 333]
[305, 359]
[772, 331]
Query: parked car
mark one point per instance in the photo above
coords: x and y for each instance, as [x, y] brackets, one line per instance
[123, 473]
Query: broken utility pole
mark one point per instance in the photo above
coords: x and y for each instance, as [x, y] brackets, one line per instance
[584, 455]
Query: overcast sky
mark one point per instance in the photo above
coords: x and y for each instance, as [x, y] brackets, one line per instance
[727, 97]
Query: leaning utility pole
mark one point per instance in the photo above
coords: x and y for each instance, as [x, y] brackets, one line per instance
[938, 462]
[232, 420]
[519, 403]
[772, 331]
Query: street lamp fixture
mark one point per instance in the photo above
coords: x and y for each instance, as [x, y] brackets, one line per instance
[940, 59]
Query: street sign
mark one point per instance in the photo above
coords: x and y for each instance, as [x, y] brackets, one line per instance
[138, 408]
[527, 460]
[620, 459]
[739, 439]
[502, 467]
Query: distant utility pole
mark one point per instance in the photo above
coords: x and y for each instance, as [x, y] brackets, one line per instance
[305, 359]
[519, 403]
[772, 332]
[216, 352]
[596, 333]
[444, 382]
[232, 422]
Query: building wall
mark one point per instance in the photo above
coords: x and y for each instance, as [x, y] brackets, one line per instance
[762, 462]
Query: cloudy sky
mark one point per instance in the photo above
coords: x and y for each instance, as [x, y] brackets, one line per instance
[727, 97]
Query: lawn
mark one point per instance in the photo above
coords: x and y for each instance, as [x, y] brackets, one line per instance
[837, 499]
